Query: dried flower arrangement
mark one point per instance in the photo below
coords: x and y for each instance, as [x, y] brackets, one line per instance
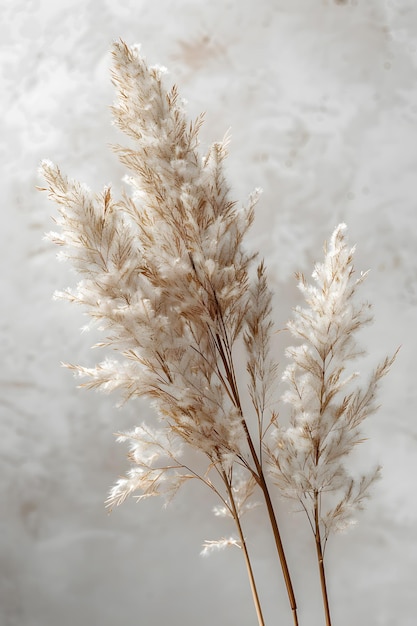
[166, 275]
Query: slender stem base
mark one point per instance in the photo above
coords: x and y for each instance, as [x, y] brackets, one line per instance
[274, 525]
[246, 553]
[320, 561]
[280, 549]
[224, 348]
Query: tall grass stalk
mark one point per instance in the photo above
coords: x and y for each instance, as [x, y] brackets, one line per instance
[165, 275]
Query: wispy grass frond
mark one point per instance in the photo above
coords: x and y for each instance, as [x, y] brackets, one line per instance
[165, 275]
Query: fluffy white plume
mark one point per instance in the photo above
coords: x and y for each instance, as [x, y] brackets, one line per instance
[307, 460]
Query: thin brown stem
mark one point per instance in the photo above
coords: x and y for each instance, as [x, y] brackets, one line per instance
[320, 560]
[260, 478]
[274, 525]
[222, 345]
[235, 514]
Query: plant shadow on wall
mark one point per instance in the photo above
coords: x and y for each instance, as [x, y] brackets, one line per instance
[165, 275]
